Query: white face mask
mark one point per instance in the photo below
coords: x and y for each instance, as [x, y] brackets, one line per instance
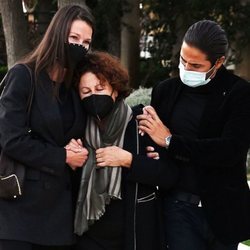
[194, 78]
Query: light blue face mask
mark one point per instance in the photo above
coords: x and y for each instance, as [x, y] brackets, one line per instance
[194, 78]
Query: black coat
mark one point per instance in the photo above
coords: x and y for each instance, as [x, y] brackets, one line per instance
[44, 214]
[142, 213]
[139, 212]
[219, 153]
[143, 218]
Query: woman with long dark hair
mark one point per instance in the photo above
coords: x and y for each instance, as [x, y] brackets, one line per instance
[43, 218]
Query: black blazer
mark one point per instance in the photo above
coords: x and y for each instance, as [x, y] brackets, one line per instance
[219, 153]
[44, 214]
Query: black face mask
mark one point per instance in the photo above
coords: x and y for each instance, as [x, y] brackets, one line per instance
[98, 106]
[74, 54]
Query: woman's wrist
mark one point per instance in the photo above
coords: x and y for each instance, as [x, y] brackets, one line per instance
[127, 161]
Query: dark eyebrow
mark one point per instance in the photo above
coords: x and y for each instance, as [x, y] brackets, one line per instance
[183, 59]
[193, 64]
[73, 33]
[88, 40]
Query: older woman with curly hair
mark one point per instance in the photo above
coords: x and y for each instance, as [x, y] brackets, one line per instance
[117, 206]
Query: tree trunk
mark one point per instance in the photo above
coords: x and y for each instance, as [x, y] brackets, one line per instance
[242, 69]
[181, 27]
[62, 3]
[130, 37]
[113, 20]
[114, 40]
[3, 56]
[45, 10]
[15, 30]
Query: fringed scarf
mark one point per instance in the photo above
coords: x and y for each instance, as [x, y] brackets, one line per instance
[99, 185]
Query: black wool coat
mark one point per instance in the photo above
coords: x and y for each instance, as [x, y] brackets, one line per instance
[143, 211]
[44, 214]
[219, 153]
[141, 208]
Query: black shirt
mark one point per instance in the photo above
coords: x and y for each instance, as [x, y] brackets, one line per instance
[185, 121]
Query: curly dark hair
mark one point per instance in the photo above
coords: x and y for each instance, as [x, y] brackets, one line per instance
[107, 68]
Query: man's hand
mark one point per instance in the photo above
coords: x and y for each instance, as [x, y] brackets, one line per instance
[151, 124]
[151, 153]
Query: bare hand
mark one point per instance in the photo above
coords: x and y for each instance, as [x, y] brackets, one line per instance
[113, 156]
[74, 145]
[151, 153]
[145, 112]
[153, 126]
[76, 154]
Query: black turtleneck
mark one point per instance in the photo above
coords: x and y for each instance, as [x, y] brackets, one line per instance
[185, 121]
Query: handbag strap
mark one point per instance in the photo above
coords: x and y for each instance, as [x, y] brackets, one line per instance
[31, 96]
[2, 83]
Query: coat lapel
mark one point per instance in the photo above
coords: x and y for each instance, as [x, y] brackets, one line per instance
[49, 108]
[78, 126]
[168, 98]
[219, 92]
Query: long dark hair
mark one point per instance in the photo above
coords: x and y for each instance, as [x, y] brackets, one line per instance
[52, 46]
[209, 37]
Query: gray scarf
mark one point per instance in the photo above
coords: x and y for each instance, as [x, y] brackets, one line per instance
[99, 185]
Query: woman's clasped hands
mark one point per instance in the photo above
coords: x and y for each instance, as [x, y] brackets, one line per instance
[111, 156]
[76, 154]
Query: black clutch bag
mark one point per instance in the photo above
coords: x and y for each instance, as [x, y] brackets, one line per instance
[11, 178]
[12, 172]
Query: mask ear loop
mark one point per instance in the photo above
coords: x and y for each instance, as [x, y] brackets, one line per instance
[212, 72]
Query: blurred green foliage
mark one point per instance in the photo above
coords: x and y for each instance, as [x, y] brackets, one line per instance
[139, 96]
[3, 71]
[165, 21]
[247, 242]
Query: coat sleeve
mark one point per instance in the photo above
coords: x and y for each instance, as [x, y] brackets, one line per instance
[15, 139]
[230, 146]
[163, 173]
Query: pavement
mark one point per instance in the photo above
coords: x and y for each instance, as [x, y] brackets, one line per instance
[243, 247]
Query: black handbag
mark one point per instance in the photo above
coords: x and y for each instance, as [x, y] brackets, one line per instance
[12, 172]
